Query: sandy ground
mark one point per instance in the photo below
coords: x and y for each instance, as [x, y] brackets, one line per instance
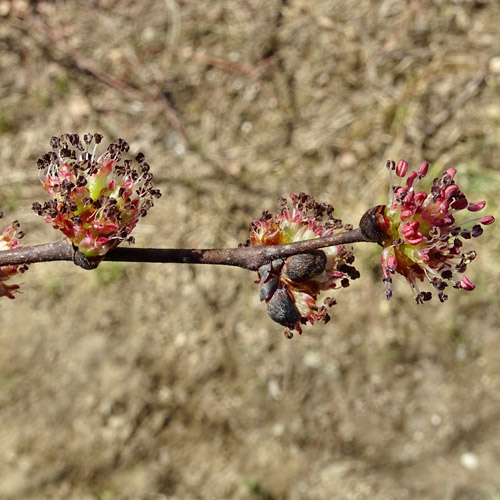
[148, 381]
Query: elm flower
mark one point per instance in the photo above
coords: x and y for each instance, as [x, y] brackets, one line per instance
[420, 236]
[97, 200]
[290, 287]
[8, 240]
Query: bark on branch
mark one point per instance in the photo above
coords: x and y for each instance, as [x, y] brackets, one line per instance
[246, 257]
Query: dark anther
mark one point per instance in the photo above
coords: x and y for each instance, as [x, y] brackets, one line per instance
[74, 139]
[423, 297]
[36, 207]
[477, 230]
[447, 274]
[330, 301]
[81, 181]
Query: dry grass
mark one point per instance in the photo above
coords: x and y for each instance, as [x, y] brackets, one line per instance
[137, 381]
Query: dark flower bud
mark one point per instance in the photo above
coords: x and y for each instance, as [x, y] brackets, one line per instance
[304, 266]
[281, 308]
[373, 225]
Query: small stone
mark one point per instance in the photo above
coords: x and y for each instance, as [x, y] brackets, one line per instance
[274, 389]
[312, 359]
[461, 353]
[436, 419]
[4, 8]
[494, 64]
[278, 429]
[469, 460]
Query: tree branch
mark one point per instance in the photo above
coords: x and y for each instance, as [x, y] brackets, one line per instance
[246, 257]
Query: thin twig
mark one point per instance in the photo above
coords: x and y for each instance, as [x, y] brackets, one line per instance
[246, 257]
[247, 70]
[87, 65]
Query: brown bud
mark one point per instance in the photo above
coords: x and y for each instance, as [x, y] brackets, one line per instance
[281, 308]
[373, 225]
[85, 262]
[304, 266]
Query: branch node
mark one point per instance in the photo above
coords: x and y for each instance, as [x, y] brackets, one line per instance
[84, 262]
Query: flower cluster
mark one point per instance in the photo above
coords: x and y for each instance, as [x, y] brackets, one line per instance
[420, 236]
[97, 201]
[290, 287]
[8, 240]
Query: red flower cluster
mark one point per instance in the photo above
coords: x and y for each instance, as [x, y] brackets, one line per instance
[290, 287]
[10, 239]
[421, 238]
[97, 201]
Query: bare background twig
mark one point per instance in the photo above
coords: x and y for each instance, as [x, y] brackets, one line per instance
[139, 380]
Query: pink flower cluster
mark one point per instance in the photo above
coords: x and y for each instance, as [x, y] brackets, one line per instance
[422, 239]
[97, 201]
[291, 287]
[8, 240]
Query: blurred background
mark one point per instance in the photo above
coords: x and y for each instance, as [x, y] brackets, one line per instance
[149, 381]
